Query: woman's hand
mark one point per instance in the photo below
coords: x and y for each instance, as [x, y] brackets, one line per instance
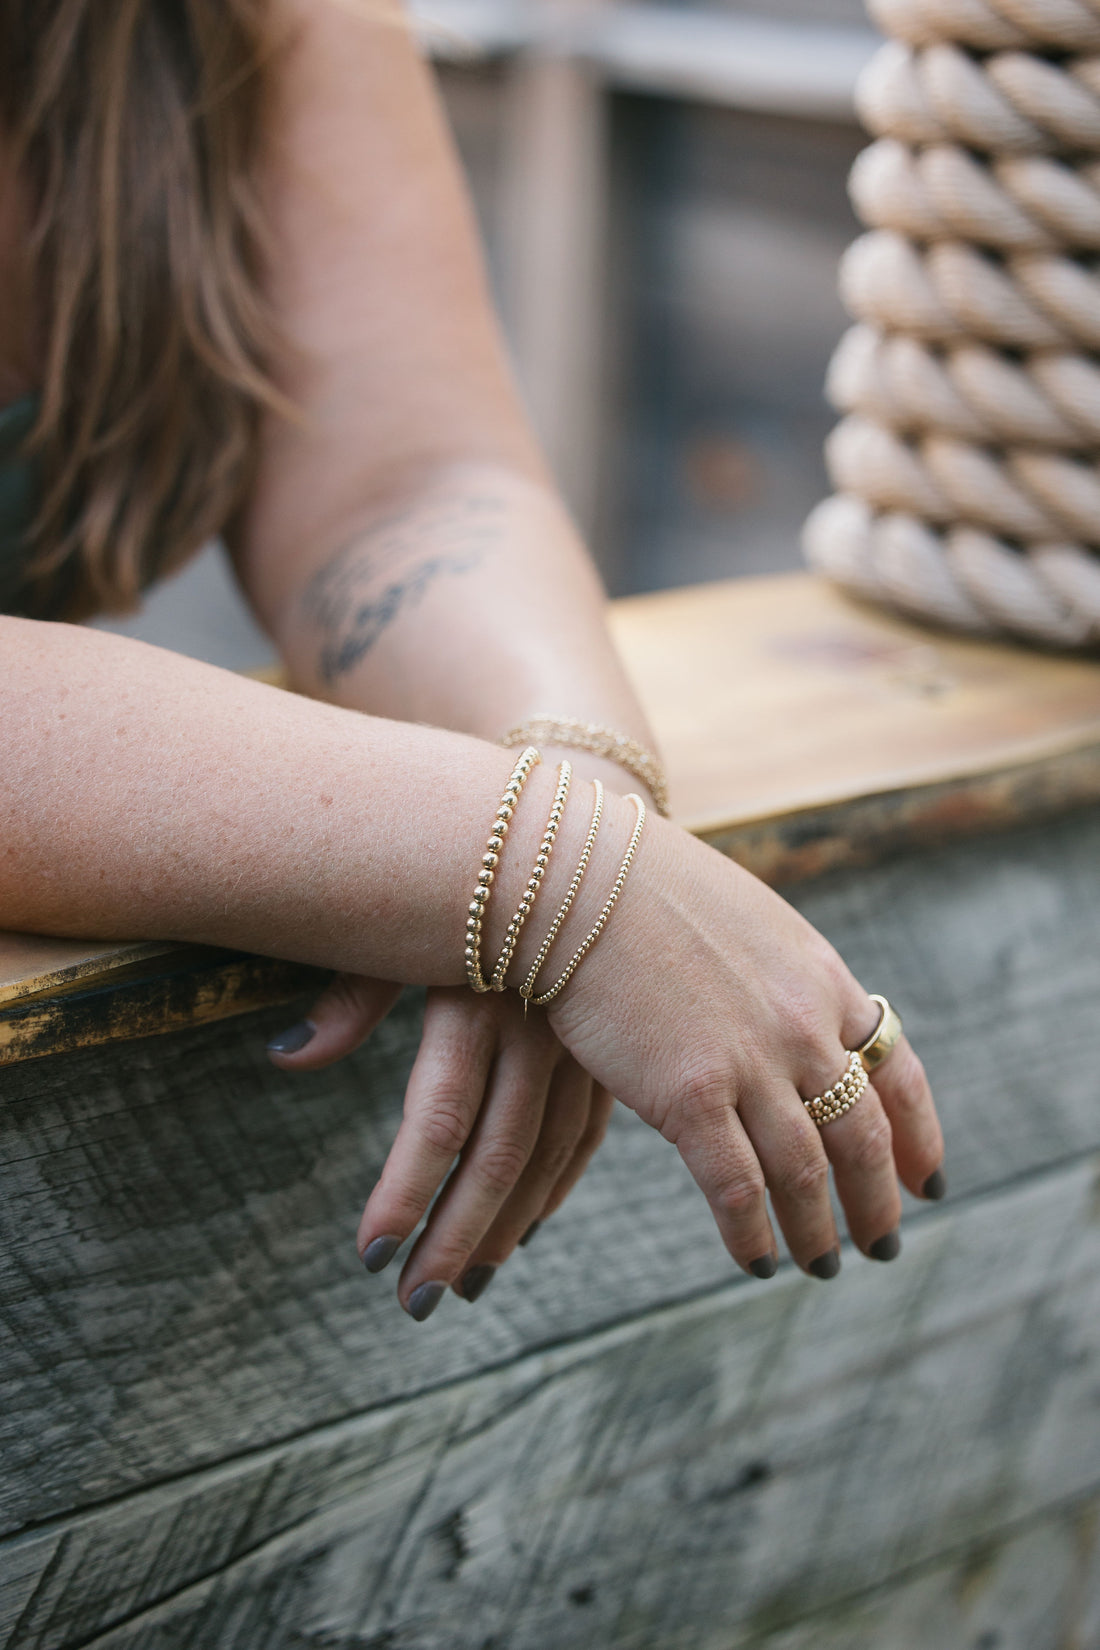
[489, 1088]
[712, 1009]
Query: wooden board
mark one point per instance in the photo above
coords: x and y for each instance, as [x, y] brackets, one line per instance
[774, 697]
[697, 1480]
[34, 965]
[178, 1282]
[803, 732]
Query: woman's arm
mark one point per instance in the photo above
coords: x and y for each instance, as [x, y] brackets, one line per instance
[146, 794]
[406, 550]
[403, 543]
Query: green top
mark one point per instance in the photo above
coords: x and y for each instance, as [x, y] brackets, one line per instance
[18, 499]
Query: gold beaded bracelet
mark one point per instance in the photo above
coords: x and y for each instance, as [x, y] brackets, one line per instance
[528, 985]
[598, 926]
[534, 881]
[598, 741]
[489, 861]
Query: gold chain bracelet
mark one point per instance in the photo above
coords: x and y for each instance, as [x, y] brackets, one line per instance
[598, 740]
[527, 987]
[489, 861]
[534, 881]
[598, 926]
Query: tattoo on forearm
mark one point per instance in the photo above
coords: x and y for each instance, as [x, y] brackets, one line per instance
[358, 593]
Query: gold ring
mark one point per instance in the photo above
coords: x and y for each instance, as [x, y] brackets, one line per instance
[827, 1107]
[885, 1035]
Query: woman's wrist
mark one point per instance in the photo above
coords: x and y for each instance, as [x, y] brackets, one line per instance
[518, 859]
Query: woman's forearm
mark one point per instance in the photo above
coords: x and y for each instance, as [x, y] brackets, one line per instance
[465, 601]
[402, 541]
[148, 795]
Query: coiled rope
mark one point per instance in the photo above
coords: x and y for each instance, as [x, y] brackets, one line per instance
[967, 464]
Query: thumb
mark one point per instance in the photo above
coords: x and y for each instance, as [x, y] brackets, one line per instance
[344, 1015]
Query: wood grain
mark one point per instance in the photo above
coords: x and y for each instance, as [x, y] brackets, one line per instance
[700, 1479]
[773, 696]
[177, 1277]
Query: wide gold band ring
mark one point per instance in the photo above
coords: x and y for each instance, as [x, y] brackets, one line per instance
[884, 1037]
[827, 1107]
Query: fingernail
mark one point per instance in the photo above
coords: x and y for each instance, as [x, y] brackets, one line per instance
[529, 1234]
[379, 1252]
[291, 1040]
[826, 1265]
[935, 1186]
[764, 1267]
[476, 1281]
[424, 1300]
[887, 1247]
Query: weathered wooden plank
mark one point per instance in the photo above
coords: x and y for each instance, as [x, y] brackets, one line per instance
[177, 1277]
[1037, 1590]
[174, 986]
[695, 1480]
[34, 964]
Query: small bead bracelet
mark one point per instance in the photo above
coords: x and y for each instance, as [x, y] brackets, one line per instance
[489, 860]
[593, 737]
[528, 985]
[598, 926]
[534, 881]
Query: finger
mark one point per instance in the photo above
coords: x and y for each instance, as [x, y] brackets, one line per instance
[906, 1098]
[445, 1091]
[599, 1116]
[789, 1147]
[498, 1151]
[343, 1016]
[564, 1125]
[709, 1136]
[860, 1148]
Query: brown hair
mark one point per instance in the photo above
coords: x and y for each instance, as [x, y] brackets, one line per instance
[135, 126]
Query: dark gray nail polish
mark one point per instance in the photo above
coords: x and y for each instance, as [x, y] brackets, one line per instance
[294, 1038]
[424, 1300]
[476, 1281]
[379, 1252]
[887, 1247]
[826, 1265]
[935, 1186]
[529, 1234]
[764, 1267]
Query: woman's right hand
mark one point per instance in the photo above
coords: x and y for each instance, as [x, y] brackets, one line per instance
[713, 1009]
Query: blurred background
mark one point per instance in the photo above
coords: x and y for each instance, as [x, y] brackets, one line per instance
[661, 191]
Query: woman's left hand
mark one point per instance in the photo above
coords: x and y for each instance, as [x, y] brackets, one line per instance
[489, 1088]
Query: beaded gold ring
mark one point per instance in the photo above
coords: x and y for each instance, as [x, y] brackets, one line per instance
[489, 860]
[827, 1107]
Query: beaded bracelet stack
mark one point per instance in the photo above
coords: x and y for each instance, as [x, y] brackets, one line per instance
[475, 918]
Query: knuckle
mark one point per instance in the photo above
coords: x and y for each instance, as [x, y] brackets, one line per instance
[552, 1157]
[873, 1147]
[742, 1195]
[703, 1092]
[594, 1135]
[908, 1083]
[807, 1178]
[499, 1164]
[445, 1125]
